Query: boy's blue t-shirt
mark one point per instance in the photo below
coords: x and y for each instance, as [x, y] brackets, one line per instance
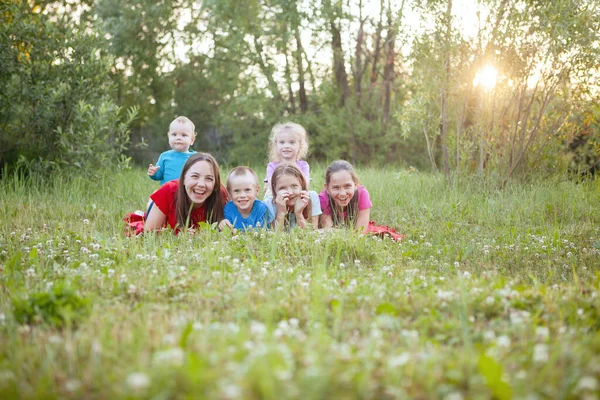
[258, 217]
[170, 163]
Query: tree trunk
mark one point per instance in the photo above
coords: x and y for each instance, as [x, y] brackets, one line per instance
[377, 47]
[301, 80]
[358, 67]
[288, 80]
[339, 69]
[388, 70]
[444, 93]
[266, 68]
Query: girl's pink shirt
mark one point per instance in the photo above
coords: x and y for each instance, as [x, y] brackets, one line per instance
[364, 201]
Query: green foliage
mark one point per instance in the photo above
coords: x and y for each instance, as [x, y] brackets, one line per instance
[55, 109]
[492, 371]
[59, 307]
[584, 147]
[96, 137]
[237, 68]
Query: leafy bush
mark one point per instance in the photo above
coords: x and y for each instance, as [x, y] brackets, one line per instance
[61, 306]
[55, 109]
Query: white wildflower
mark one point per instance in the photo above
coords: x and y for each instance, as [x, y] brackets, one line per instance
[231, 391]
[171, 357]
[521, 374]
[444, 295]
[542, 332]
[587, 383]
[503, 341]
[257, 328]
[54, 339]
[540, 353]
[169, 338]
[454, 396]
[72, 385]
[399, 360]
[138, 381]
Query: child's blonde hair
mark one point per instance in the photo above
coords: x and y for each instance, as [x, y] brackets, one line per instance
[182, 120]
[241, 171]
[294, 128]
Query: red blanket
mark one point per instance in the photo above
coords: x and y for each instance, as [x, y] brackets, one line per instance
[134, 223]
[383, 231]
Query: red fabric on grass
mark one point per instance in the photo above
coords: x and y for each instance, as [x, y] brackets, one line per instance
[383, 231]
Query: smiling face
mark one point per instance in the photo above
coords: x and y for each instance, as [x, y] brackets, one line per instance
[290, 184]
[288, 146]
[341, 188]
[243, 191]
[181, 136]
[199, 182]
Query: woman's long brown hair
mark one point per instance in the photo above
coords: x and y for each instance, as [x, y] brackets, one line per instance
[352, 208]
[290, 169]
[214, 203]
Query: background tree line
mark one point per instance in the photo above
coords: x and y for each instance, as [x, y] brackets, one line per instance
[93, 83]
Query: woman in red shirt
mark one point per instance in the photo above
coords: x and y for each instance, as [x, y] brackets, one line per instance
[200, 197]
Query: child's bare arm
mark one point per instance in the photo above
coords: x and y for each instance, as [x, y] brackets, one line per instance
[362, 221]
[281, 209]
[315, 222]
[325, 221]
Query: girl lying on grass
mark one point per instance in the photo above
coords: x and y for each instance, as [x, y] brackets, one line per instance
[345, 202]
[293, 205]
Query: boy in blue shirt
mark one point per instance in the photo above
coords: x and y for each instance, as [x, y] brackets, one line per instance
[244, 210]
[182, 133]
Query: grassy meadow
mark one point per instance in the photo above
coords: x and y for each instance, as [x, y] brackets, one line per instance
[493, 294]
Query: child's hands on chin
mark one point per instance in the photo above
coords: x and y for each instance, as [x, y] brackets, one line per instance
[283, 196]
[301, 202]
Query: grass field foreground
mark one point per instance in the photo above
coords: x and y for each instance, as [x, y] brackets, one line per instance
[494, 293]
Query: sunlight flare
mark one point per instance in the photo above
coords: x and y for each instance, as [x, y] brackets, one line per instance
[486, 77]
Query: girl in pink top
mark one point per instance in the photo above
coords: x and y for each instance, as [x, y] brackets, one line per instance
[344, 201]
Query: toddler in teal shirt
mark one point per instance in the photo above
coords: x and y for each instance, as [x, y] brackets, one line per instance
[182, 133]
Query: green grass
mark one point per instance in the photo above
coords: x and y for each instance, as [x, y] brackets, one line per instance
[492, 294]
